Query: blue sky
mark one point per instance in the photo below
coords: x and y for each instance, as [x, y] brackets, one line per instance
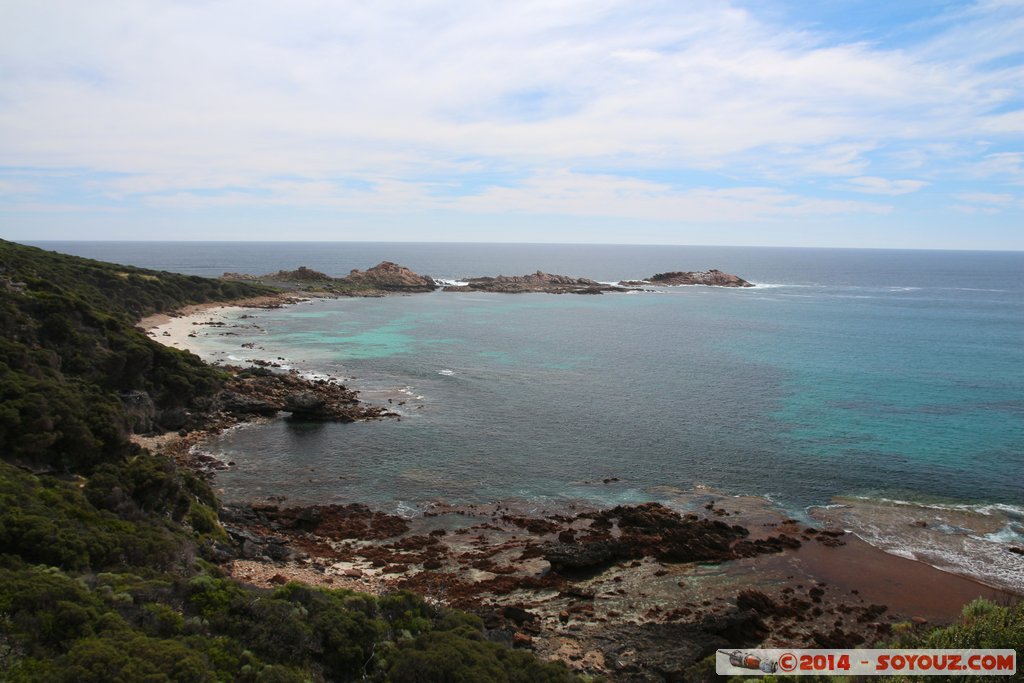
[768, 122]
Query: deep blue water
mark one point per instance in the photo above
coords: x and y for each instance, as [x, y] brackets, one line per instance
[847, 372]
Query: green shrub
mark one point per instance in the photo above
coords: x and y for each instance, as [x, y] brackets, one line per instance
[463, 657]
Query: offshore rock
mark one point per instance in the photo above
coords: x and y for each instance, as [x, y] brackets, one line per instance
[711, 278]
[376, 281]
[391, 277]
[537, 282]
[305, 405]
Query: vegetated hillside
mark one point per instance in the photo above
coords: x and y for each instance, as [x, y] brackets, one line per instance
[70, 356]
[106, 551]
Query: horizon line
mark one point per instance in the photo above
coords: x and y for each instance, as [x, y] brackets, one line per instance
[542, 244]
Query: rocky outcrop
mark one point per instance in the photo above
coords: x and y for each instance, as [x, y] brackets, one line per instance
[262, 392]
[387, 277]
[648, 530]
[619, 602]
[537, 282]
[140, 411]
[391, 277]
[376, 281]
[638, 652]
[711, 278]
[351, 521]
[143, 416]
[300, 274]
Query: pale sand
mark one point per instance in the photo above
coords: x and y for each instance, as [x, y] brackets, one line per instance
[174, 329]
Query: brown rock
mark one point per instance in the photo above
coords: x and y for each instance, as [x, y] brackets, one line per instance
[388, 276]
[537, 282]
[712, 278]
[522, 640]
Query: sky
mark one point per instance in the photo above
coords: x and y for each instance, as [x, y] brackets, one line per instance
[765, 122]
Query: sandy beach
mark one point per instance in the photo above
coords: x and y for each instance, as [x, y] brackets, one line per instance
[177, 329]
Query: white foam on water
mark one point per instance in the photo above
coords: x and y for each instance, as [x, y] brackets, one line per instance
[406, 510]
[980, 508]
[831, 506]
[900, 552]
[967, 539]
[774, 285]
[1011, 534]
[973, 289]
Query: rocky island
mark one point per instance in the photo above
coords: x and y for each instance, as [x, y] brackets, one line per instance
[384, 278]
[391, 278]
[710, 278]
[536, 282]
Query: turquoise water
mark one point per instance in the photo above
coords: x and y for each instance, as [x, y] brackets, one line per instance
[881, 373]
[799, 393]
[886, 386]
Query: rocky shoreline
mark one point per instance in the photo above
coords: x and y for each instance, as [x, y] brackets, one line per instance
[638, 593]
[643, 592]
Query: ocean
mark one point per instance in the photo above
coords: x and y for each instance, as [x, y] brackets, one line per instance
[876, 389]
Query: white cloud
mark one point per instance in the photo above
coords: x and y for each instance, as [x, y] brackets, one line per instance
[596, 195]
[18, 187]
[990, 203]
[974, 210]
[987, 198]
[548, 193]
[210, 104]
[1009, 165]
[875, 185]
